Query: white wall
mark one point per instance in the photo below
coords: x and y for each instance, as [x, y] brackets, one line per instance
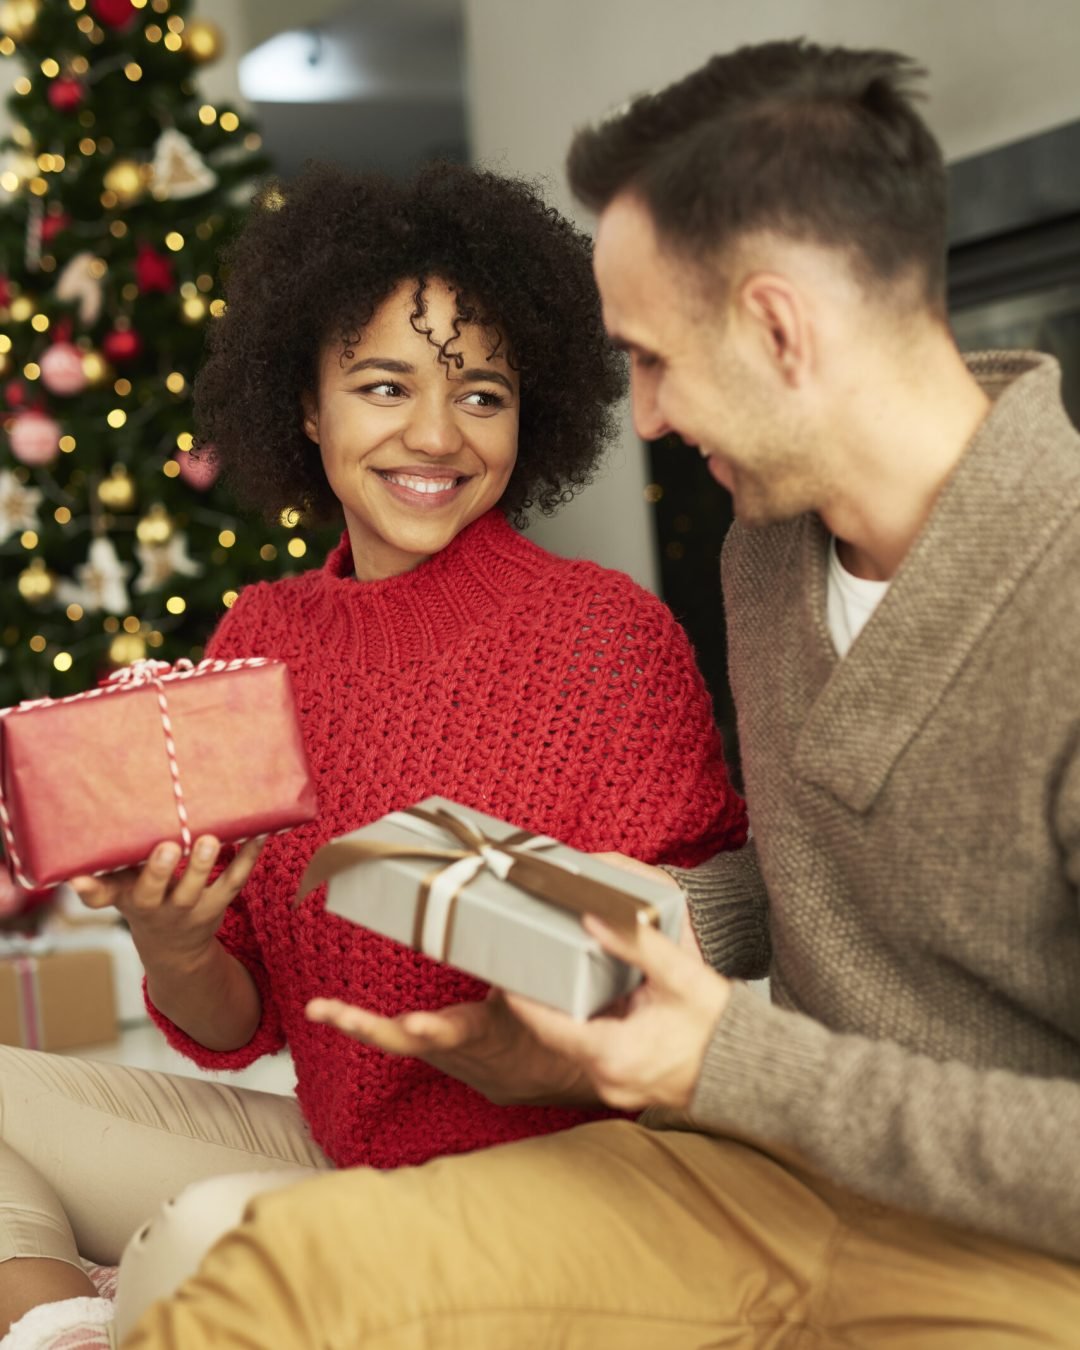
[539, 68]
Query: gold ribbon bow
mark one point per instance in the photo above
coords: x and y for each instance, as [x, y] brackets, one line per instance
[540, 877]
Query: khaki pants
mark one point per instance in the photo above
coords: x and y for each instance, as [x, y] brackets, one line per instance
[610, 1235]
[90, 1151]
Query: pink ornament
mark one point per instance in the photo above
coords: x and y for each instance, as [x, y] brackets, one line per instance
[34, 438]
[62, 369]
[199, 468]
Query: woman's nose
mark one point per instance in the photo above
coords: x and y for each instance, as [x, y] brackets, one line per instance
[432, 429]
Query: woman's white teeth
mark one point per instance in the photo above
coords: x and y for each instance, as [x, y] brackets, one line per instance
[421, 484]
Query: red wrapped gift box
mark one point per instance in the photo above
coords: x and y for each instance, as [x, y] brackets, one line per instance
[93, 782]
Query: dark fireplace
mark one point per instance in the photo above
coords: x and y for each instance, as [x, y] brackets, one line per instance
[1014, 255]
[1014, 281]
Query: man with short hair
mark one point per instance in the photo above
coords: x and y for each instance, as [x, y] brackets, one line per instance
[884, 1155]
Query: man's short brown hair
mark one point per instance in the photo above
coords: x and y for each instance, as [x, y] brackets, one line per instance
[819, 144]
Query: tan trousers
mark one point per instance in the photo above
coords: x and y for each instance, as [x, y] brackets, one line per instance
[90, 1151]
[609, 1236]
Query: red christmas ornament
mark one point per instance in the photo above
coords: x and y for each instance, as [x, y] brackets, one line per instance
[34, 437]
[15, 393]
[5, 293]
[52, 225]
[153, 271]
[113, 13]
[199, 468]
[62, 369]
[66, 93]
[121, 345]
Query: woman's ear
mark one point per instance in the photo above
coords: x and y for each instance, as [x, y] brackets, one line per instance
[310, 405]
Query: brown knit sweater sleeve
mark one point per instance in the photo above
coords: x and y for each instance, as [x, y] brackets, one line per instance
[984, 1149]
[729, 911]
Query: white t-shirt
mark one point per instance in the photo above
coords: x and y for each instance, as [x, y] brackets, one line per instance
[851, 601]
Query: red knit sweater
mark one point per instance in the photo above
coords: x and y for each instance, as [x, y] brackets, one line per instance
[556, 695]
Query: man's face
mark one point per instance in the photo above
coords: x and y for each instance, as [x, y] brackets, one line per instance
[696, 369]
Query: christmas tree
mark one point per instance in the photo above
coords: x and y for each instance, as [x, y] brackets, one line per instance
[119, 187]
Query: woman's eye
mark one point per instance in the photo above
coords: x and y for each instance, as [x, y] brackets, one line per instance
[484, 398]
[385, 388]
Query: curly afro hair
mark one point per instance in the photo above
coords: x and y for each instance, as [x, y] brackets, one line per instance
[318, 255]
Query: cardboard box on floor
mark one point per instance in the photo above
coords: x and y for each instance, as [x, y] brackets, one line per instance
[56, 1000]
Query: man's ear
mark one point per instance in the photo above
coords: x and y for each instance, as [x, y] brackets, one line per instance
[310, 405]
[778, 322]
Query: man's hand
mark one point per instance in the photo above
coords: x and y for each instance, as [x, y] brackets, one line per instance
[648, 1052]
[481, 1044]
[687, 936]
[651, 1054]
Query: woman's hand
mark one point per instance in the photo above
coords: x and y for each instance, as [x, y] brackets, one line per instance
[190, 976]
[482, 1044]
[173, 921]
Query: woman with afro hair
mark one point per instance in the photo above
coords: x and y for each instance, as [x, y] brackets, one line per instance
[426, 361]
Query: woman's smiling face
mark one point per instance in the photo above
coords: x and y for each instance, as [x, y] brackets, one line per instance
[413, 448]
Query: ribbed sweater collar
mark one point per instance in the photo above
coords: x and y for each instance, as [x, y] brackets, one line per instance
[413, 617]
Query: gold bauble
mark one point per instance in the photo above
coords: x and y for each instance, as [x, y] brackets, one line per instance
[203, 41]
[17, 18]
[127, 180]
[37, 583]
[95, 368]
[156, 526]
[117, 492]
[193, 309]
[127, 647]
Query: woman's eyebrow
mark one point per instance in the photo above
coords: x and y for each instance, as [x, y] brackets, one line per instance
[395, 367]
[486, 373]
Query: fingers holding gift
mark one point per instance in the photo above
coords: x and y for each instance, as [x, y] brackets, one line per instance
[102, 892]
[235, 876]
[651, 1054]
[639, 868]
[138, 893]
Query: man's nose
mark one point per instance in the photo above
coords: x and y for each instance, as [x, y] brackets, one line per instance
[649, 422]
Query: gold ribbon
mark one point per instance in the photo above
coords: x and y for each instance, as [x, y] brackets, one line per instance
[539, 877]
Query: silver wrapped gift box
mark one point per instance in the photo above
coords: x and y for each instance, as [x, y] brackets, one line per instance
[497, 902]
